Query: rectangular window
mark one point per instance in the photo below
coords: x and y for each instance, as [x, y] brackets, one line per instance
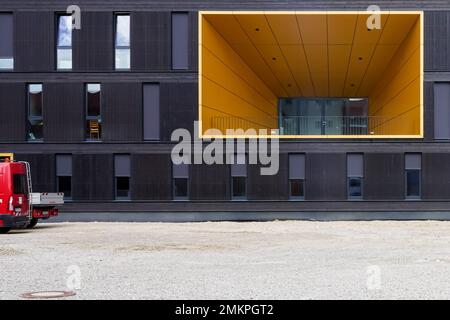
[180, 175]
[64, 43]
[35, 125]
[151, 111]
[122, 173]
[238, 177]
[64, 174]
[413, 173]
[6, 42]
[355, 176]
[122, 41]
[442, 110]
[297, 176]
[180, 40]
[93, 112]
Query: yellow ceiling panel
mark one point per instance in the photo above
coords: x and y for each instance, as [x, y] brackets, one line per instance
[256, 27]
[274, 58]
[285, 28]
[397, 28]
[228, 27]
[338, 59]
[313, 28]
[318, 63]
[365, 36]
[359, 61]
[341, 28]
[296, 58]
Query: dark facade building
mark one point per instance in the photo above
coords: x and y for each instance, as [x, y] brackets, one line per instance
[362, 114]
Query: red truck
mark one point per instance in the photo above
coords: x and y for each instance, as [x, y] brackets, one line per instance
[19, 206]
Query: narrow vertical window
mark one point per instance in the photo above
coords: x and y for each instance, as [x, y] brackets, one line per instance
[93, 111]
[64, 43]
[442, 110]
[64, 174]
[122, 42]
[239, 177]
[6, 42]
[35, 125]
[413, 173]
[122, 173]
[355, 176]
[180, 40]
[296, 176]
[151, 111]
[180, 175]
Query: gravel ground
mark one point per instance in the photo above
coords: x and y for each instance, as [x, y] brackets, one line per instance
[227, 260]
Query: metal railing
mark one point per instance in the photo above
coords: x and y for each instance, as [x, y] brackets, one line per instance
[316, 125]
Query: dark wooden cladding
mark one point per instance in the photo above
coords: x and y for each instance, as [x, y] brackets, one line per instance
[42, 171]
[268, 187]
[34, 41]
[209, 182]
[63, 112]
[428, 112]
[93, 43]
[150, 41]
[12, 112]
[384, 176]
[151, 177]
[435, 176]
[193, 41]
[325, 176]
[437, 40]
[179, 107]
[122, 112]
[91, 177]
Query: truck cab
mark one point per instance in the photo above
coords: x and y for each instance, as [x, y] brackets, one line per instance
[15, 207]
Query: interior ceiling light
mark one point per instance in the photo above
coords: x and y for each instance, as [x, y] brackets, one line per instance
[274, 58]
[257, 29]
[352, 85]
[355, 99]
[360, 58]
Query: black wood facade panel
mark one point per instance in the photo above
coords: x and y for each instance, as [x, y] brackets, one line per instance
[193, 40]
[428, 114]
[42, 171]
[150, 41]
[325, 176]
[122, 111]
[268, 187]
[151, 177]
[209, 182]
[34, 41]
[92, 177]
[437, 40]
[12, 112]
[93, 43]
[436, 176]
[63, 112]
[384, 176]
[179, 107]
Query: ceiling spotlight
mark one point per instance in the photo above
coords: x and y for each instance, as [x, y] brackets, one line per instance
[352, 85]
[274, 58]
[360, 58]
[289, 85]
[257, 29]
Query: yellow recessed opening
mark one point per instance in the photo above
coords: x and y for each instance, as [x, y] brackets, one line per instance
[252, 64]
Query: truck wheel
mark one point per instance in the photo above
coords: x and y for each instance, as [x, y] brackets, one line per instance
[33, 223]
[4, 230]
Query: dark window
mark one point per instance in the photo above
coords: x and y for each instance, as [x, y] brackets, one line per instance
[442, 110]
[180, 40]
[238, 177]
[296, 188]
[355, 175]
[35, 124]
[413, 169]
[122, 41]
[6, 41]
[122, 173]
[180, 175]
[151, 111]
[296, 176]
[93, 112]
[354, 188]
[64, 43]
[64, 174]
[20, 184]
[64, 184]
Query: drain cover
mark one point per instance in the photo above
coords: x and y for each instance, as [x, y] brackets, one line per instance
[48, 294]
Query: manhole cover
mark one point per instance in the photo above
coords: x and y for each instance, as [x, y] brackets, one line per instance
[48, 294]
